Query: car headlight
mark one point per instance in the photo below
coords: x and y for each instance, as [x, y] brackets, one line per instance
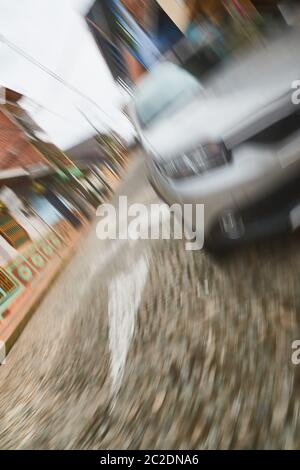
[204, 158]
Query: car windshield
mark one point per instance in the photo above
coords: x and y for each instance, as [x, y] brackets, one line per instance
[168, 87]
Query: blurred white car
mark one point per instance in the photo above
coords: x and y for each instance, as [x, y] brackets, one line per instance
[231, 143]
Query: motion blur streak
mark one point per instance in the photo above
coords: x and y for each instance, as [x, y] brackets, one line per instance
[125, 293]
[204, 371]
[138, 343]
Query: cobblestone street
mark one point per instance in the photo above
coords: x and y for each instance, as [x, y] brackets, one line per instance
[142, 344]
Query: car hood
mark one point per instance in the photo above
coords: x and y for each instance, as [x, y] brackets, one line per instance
[243, 98]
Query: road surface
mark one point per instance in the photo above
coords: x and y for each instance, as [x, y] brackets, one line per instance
[141, 344]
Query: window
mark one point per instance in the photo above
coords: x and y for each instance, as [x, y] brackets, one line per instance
[11, 231]
[167, 88]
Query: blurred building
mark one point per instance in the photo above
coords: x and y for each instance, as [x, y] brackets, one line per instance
[102, 159]
[134, 34]
[47, 199]
[20, 163]
[19, 158]
[43, 202]
[101, 21]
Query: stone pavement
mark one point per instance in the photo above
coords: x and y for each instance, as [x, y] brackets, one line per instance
[140, 344]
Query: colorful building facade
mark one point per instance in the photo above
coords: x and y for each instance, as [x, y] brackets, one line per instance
[39, 220]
